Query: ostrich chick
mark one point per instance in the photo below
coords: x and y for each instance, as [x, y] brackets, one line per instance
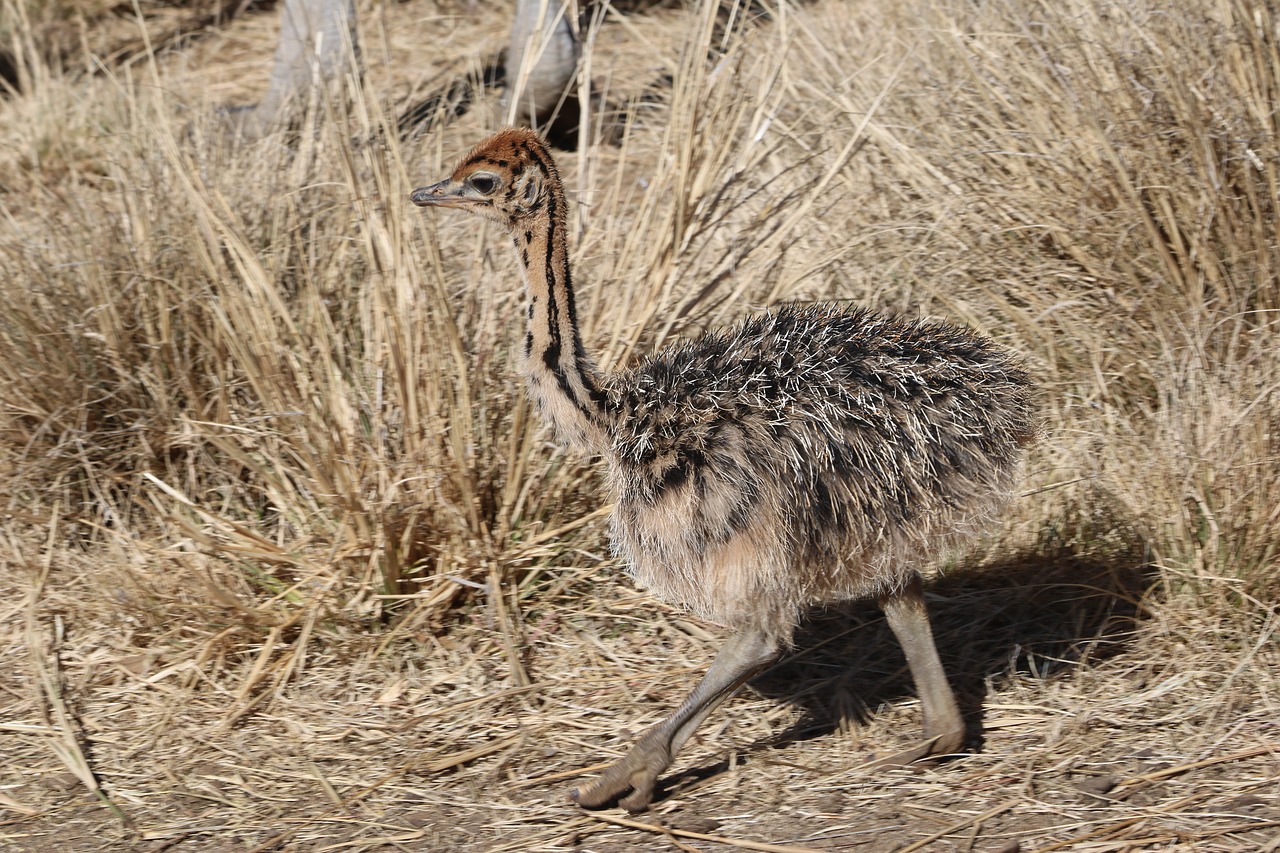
[802, 457]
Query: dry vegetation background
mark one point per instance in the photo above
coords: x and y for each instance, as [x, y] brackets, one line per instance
[289, 565]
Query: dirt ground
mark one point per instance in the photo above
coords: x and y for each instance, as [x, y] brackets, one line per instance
[1089, 722]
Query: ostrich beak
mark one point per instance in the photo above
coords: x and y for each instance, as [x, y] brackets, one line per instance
[444, 194]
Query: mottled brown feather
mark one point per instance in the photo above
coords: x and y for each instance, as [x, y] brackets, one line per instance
[811, 455]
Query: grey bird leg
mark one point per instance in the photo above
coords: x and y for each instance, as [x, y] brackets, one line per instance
[744, 655]
[542, 61]
[943, 725]
[318, 42]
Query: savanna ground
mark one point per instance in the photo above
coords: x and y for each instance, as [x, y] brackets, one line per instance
[289, 565]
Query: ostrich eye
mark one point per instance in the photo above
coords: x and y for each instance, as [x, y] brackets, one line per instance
[483, 184]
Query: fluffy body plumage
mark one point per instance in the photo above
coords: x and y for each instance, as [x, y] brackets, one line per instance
[812, 455]
[806, 456]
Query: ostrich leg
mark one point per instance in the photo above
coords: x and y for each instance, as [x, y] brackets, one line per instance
[542, 61]
[317, 43]
[943, 725]
[743, 656]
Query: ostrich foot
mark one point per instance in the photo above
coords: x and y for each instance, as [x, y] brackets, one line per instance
[945, 743]
[637, 773]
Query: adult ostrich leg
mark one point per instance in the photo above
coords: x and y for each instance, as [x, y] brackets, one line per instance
[542, 67]
[317, 44]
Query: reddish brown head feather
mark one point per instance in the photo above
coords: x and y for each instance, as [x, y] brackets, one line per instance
[509, 178]
[513, 148]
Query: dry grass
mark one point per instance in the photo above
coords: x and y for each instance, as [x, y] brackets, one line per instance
[289, 563]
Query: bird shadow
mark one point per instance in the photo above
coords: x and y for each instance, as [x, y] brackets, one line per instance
[1032, 614]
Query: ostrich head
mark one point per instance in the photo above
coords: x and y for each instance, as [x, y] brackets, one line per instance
[508, 178]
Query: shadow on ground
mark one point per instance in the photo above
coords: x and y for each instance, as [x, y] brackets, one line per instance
[1039, 614]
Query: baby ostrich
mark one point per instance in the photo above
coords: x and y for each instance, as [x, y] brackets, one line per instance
[807, 456]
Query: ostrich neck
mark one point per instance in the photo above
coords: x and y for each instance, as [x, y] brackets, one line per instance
[562, 378]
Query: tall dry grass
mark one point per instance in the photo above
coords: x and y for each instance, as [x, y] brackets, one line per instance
[256, 390]
[277, 519]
